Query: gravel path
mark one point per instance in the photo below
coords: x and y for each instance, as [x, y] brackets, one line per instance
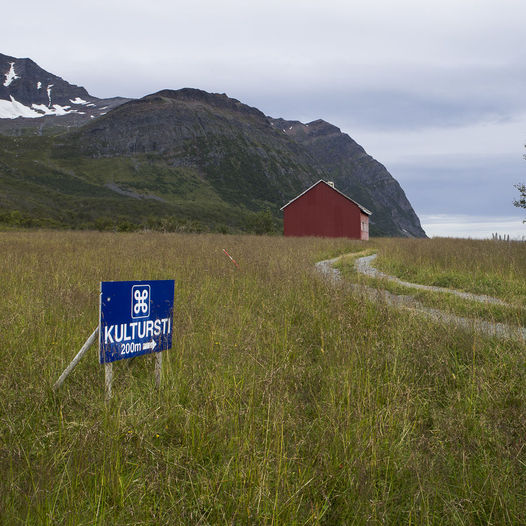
[363, 265]
[500, 330]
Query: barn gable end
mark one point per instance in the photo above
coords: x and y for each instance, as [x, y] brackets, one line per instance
[324, 211]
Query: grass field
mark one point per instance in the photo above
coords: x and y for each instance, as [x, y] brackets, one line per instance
[496, 269]
[284, 400]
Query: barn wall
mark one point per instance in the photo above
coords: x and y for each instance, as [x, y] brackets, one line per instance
[322, 212]
[364, 220]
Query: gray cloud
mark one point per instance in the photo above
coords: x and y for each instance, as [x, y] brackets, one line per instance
[463, 185]
[411, 81]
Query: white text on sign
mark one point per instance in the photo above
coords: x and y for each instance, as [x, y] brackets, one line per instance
[125, 332]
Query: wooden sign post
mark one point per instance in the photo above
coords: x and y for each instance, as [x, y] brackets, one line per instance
[135, 318]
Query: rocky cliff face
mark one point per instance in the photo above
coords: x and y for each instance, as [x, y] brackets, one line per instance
[29, 92]
[233, 146]
[29, 84]
[358, 175]
[225, 151]
[245, 154]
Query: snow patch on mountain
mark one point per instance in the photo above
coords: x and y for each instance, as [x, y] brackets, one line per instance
[78, 100]
[10, 75]
[55, 110]
[49, 93]
[39, 85]
[42, 108]
[61, 110]
[13, 109]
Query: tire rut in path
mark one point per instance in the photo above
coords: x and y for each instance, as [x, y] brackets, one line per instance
[363, 265]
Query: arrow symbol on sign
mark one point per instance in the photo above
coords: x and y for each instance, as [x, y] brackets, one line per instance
[149, 345]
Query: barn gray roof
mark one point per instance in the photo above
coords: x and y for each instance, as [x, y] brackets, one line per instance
[362, 208]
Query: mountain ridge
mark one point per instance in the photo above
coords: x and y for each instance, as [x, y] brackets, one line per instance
[356, 173]
[27, 91]
[179, 147]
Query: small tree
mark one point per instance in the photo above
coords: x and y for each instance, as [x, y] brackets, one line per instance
[521, 202]
[521, 187]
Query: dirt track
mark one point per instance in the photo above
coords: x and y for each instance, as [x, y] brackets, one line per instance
[363, 265]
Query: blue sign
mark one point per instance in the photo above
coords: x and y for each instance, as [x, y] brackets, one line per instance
[136, 317]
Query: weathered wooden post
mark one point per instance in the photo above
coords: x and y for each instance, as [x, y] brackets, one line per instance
[108, 379]
[158, 369]
[89, 342]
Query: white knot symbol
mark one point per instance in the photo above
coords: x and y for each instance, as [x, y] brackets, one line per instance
[140, 298]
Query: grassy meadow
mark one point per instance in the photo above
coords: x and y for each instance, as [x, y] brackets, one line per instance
[285, 400]
[492, 268]
[495, 268]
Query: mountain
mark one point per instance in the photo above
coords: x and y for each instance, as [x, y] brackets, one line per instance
[176, 159]
[356, 174]
[230, 145]
[30, 92]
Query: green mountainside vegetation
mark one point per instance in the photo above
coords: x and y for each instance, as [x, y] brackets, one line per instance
[185, 160]
[42, 188]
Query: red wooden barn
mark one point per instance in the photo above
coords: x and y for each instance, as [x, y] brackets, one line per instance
[324, 211]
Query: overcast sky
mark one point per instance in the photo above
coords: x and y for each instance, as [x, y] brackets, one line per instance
[434, 90]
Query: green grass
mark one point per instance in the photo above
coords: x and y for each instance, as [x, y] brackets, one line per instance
[42, 185]
[284, 400]
[512, 314]
[482, 267]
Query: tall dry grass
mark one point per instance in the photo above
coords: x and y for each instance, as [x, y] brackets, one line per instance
[490, 267]
[284, 401]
